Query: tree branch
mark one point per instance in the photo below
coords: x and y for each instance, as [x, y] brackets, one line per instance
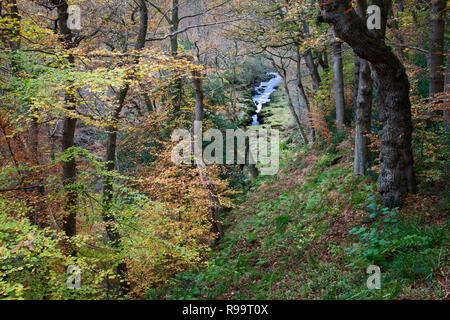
[172, 34]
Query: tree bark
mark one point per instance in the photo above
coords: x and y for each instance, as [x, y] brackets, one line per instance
[323, 60]
[437, 29]
[363, 109]
[303, 96]
[177, 86]
[356, 69]
[394, 108]
[69, 167]
[214, 204]
[312, 67]
[363, 119]
[447, 94]
[338, 73]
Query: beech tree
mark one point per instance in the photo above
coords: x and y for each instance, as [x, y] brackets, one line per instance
[363, 107]
[437, 31]
[397, 174]
[70, 122]
[338, 73]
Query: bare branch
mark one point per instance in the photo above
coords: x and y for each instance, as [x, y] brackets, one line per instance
[172, 34]
[206, 11]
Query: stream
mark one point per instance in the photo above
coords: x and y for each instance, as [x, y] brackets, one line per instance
[262, 96]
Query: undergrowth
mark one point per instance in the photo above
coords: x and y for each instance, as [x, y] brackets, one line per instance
[312, 231]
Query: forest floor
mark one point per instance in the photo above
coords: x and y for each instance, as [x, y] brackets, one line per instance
[311, 232]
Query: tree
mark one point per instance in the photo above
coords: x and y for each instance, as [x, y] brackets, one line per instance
[111, 150]
[394, 107]
[214, 204]
[338, 73]
[281, 66]
[447, 95]
[70, 122]
[312, 66]
[437, 30]
[174, 19]
[302, 94]
[363, 108]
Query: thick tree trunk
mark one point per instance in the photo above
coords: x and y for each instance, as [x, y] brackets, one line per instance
[338, 73]
[394, 107]
[363, 109]
[303, 96]
[69, 171]
[214, 204]
[363, 119]
[69, 167]
[437, 28]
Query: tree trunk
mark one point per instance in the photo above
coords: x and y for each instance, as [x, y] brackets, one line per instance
[111, 150]
[312, 67]
[437, 28]
[323, 60]
[303, 96]
[177, 86]
[447, 94]
[356, 69]
[296, 117]
[338, 73]
[214, 204]
[69, 171]
[394, 108]
[107, 215]
[312, 70]
[363, 109]
[175, 22]
[69, 167]
[39, 208]
[363, 119]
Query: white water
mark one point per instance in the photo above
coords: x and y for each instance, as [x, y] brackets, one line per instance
[263, 92]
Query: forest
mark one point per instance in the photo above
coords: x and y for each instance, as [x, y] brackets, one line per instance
[224, 150]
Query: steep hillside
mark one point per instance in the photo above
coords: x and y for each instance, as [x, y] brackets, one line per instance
[311, 231]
